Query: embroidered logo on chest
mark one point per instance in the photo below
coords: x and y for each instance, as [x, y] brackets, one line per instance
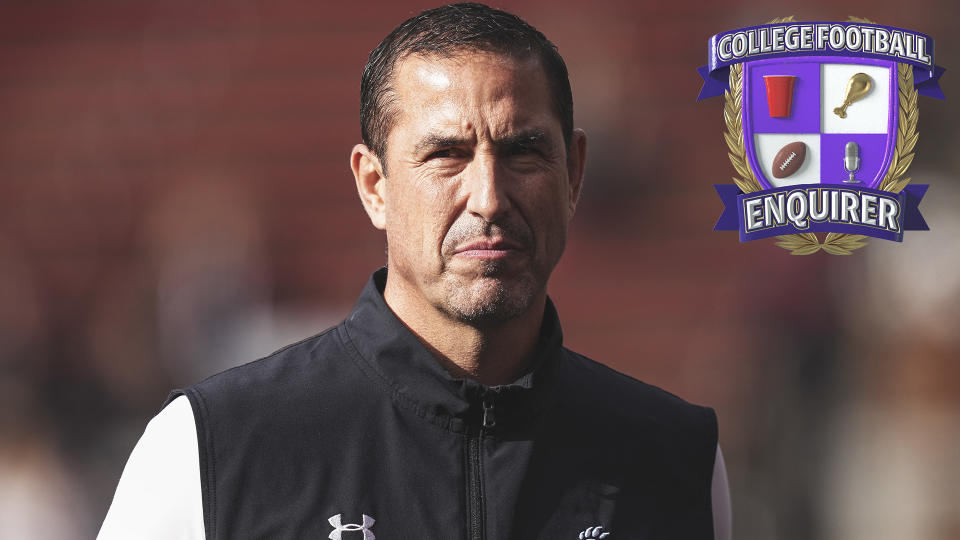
[339, 529]
[593, 532]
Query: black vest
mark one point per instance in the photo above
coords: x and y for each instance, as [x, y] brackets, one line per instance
[359, 433]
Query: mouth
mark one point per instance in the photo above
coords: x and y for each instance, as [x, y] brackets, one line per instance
[489, 249]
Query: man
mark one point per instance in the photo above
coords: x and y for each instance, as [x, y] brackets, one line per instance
[444, 406]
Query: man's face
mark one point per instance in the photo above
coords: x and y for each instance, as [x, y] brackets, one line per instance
[479, 189]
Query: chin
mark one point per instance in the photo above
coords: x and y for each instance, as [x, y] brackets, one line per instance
[490, 300]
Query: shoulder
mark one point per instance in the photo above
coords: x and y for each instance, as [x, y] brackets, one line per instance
[654, 434]
[621, 401]
[290, 362]
[284, 377]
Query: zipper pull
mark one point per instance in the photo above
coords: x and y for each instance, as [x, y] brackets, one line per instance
[489, 420]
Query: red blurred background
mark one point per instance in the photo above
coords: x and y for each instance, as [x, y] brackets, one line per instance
[175, 199]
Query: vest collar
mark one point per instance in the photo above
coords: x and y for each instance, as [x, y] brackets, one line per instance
[417, 379]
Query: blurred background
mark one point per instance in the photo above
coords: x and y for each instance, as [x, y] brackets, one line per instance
[175, 199]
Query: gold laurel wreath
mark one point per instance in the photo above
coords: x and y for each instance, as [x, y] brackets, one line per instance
[834, 243]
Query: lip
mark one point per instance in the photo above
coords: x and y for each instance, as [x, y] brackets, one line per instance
[488, 249]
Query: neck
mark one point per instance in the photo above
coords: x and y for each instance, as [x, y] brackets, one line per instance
[492, 355]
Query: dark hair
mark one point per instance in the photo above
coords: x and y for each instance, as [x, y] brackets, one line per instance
[446, 31]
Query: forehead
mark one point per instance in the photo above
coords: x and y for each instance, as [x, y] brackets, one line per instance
[479, 91]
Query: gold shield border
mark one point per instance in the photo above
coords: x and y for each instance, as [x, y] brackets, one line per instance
[894, 181]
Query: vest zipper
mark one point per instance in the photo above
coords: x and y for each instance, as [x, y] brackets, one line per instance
[474, 457]
[489, 420]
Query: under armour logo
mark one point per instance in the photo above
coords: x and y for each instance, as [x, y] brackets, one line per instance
[593, 532]
[338, 528]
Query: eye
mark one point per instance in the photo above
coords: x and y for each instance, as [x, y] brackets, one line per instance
[444, 153]
[525, 152]
[524, 149]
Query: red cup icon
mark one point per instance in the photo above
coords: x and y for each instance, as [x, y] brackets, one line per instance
[779, 94]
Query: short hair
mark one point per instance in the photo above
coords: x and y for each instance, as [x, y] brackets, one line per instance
[447, 31]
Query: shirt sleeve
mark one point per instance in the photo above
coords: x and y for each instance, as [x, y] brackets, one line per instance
[158, 496]
[720, 493]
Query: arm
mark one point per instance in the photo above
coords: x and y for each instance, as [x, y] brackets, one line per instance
[722, 522]
[158, 496]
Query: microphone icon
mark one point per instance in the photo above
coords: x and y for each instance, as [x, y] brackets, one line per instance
[851, 161]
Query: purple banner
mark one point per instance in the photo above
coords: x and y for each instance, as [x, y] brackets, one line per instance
[821, 38]
[821, 208]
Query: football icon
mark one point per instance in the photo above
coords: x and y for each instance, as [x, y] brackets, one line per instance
[789, 159]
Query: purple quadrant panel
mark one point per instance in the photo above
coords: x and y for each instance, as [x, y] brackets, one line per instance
[805, 109]
[833, 150]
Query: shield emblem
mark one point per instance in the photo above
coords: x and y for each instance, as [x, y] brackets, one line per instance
[826, 103]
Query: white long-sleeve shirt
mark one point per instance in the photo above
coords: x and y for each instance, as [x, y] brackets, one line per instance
[159, 497]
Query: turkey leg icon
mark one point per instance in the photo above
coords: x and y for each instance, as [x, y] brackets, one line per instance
[857, 87]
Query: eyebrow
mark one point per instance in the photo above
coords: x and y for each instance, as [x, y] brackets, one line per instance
[525, 138]
[433, 140]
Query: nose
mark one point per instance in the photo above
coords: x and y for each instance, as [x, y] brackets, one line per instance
[486, 183]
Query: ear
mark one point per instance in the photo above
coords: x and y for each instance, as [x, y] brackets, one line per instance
[370, 183]
[576, 161]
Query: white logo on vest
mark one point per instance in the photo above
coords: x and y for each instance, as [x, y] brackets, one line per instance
[593, 532]
[338, 529]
